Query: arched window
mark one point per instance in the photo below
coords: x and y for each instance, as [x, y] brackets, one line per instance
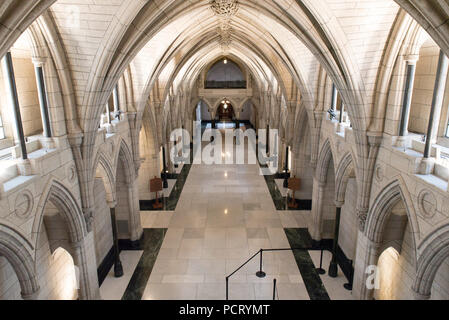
[225, 74]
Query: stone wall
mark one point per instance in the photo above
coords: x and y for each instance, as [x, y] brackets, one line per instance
[102, 226]
[122, 209]
[9, 284]
[440, 288]
[348, 224]
[397, 271]
[28, 99]
[426, 69]
[329, 209]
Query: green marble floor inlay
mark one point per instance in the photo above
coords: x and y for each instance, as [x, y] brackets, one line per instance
[278, 199]
[172, 201]
[300, 238]
[280, 202]
[151, 245]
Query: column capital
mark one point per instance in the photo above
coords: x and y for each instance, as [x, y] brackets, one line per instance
[89, 218]
[77, 245]
[39, 61]
[411, 59]
[339, 204]
[112, 204]
[362, 214]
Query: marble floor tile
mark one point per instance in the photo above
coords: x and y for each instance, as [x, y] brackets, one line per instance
[224, 215]
[114, 288]
[211, 291]
[170, 291]
[334, 286]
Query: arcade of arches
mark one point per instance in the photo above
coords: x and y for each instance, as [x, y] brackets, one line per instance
[91, 91]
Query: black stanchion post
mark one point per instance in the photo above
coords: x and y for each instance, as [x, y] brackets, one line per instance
[260, 273]
[227, 288]
[320, 270]
[274, 289]
[348, 286]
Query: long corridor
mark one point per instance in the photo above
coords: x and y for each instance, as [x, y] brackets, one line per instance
[224, 216]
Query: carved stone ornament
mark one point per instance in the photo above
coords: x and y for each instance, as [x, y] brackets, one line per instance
[71, 174]
[362, 215]
[24, 204]
[379, 173]
[224, 8]
[427, 204]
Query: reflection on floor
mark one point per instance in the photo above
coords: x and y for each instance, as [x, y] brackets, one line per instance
[224, 215]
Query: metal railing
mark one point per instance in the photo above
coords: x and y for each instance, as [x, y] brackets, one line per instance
[261, 274]
[225, 84]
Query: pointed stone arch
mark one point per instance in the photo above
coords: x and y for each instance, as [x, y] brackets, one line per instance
[345, 170]
[324, 159]
[16, 250]
[124, 160]
[103, 164]
[435, 250]
[378, 215]
[67, 205]
[124, 154]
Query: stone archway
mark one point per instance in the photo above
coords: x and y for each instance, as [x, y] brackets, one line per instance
[13, 248]
[59, 210]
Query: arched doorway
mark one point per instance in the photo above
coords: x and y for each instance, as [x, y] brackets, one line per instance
[104, 195]
[323, 206]
[397, 262]
[17, 269]
[55, 267]
[225, 112]
[388, 268]
[127, 211]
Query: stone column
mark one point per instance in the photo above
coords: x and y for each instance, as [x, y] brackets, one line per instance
[84, 259]
[118, 268]
[435, 112]
[286, 168]
[43, 101]
[318, 195]
[164, 172]
[116, 100]
[134, 209]
[8, 70]
[268, 140]
[340, 121]
[108, 113]
[214, 127]
[334, 97]
[407, 100]
[333, 268]
[365, 273]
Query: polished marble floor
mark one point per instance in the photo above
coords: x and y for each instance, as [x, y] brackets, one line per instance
[223, 216]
